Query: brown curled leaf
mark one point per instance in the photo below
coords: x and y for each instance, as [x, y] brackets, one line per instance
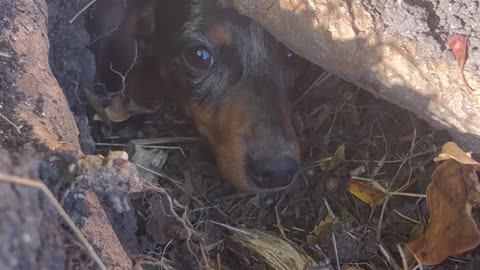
[450, 195]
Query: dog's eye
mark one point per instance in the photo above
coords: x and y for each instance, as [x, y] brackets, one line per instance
[199, 57]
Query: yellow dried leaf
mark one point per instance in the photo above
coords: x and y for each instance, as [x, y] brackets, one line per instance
[320, 231]
[365, 192]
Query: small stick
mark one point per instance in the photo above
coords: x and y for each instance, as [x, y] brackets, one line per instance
[11, 123]
[404, 258]
[405, 217]
[389, 258]
[123, 77]
[321, 79]
[42, 187]
[81, 11]
[336, 251]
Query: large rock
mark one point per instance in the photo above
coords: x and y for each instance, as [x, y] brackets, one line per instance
[395, 49]
[35, 124]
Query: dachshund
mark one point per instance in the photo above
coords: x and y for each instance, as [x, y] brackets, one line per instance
[230, 76]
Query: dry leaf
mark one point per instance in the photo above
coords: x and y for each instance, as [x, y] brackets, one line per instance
[320, 232]
[459, 46]
[336, 161]
[451, 151]
[451, 229]
[365, 192]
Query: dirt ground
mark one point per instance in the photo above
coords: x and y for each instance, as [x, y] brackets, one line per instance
[383, 143]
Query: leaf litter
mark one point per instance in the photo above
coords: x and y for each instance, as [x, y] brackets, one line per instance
[361, 198]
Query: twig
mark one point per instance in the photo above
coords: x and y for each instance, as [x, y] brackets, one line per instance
[336, 251]
[104, 35]
[406, 194]
[389, 258]
[279, 223]
[321, 79]
[380, 219]
[123, 77]
[81, 11]
[231, 228]
[405, 217]
[11, 123]
[404, 258]
[180, 149]
[166, 140]
[329, 209]
[42, 187]
[393, 161]
[382, 213]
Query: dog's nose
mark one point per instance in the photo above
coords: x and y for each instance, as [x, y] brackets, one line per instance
[274, 173]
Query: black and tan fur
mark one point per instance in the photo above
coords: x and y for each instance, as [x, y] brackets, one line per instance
[241, 104]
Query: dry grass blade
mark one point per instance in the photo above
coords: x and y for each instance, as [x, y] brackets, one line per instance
[231, 228]
[279, 223]
[389, 257]
[41, 186]
[205, 261]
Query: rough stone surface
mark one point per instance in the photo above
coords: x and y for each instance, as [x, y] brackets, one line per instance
[36, 119]
[416, 19]
[395, 49]
[31, 91]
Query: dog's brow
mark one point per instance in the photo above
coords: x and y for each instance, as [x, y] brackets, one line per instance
[255, 49]
[220, 35]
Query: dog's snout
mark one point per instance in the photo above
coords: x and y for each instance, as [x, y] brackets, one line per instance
[273, 173]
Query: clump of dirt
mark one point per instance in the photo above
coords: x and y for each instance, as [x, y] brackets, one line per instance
[433, 20]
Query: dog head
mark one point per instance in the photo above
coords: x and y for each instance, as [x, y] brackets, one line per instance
[233, 79]
[237, 82]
